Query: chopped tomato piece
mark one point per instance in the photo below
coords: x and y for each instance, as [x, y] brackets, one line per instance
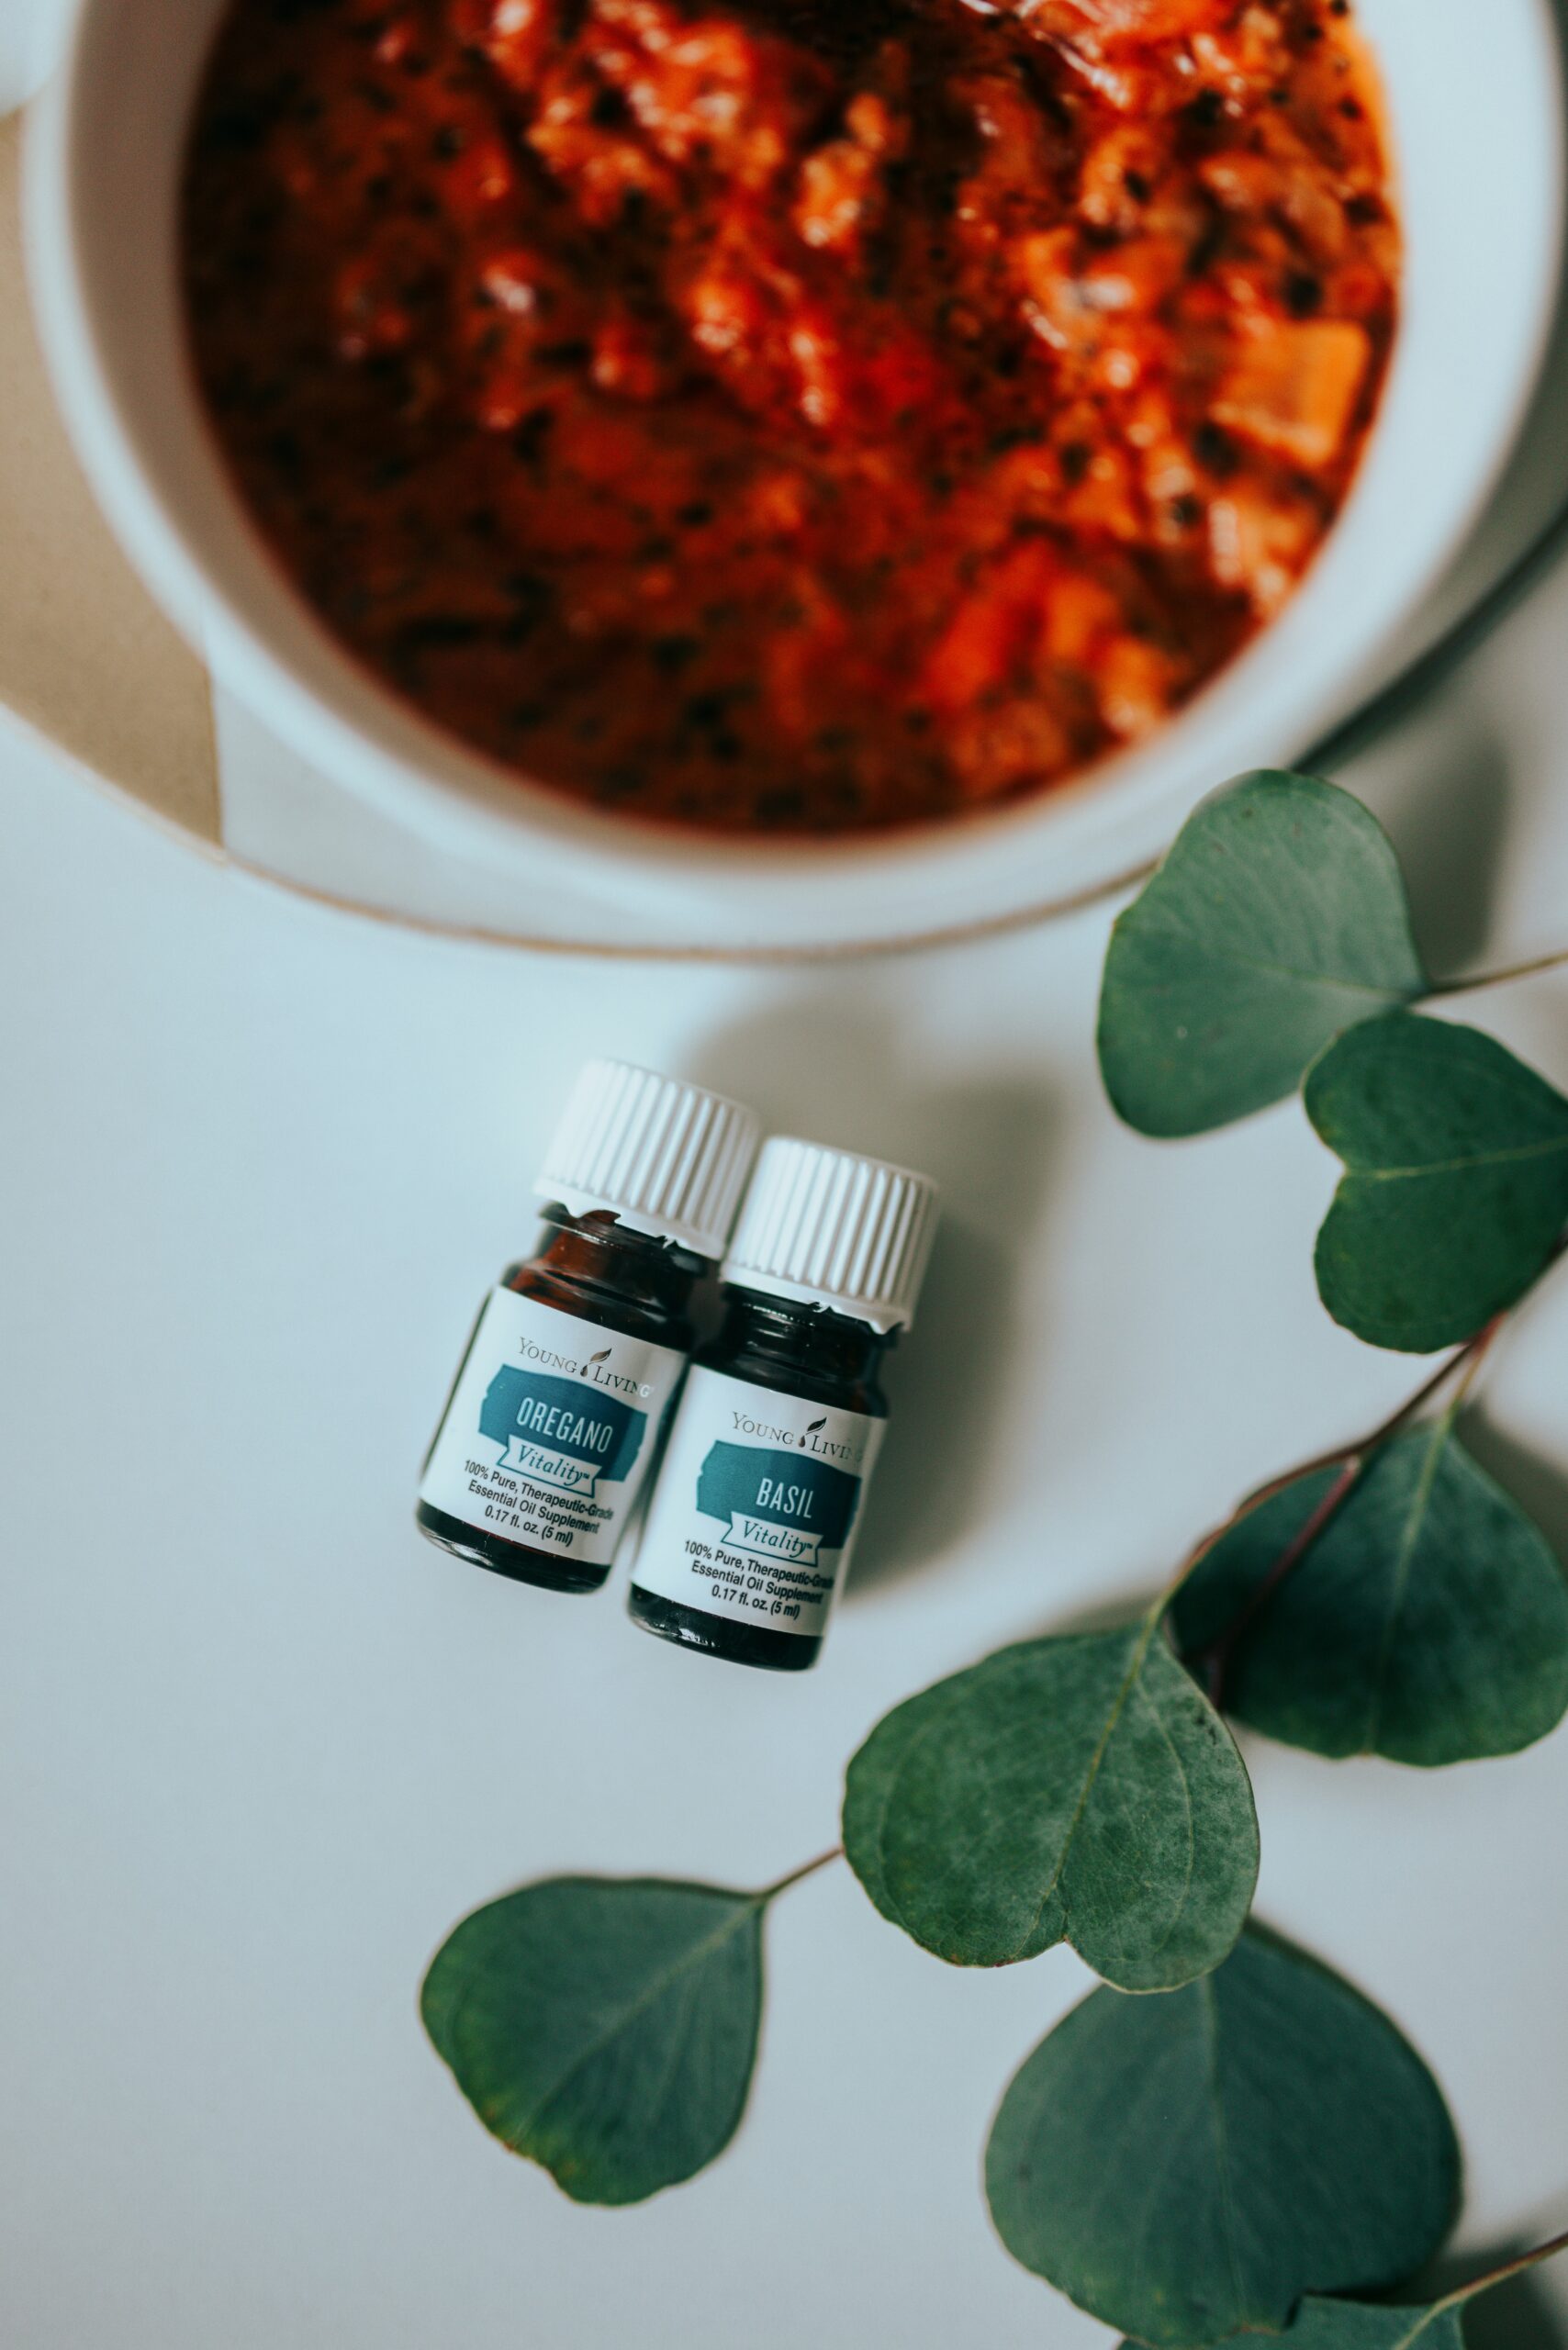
[1294, 389]
[1125, 20]
[1258, 544]
[996, 624]
[1138, 685]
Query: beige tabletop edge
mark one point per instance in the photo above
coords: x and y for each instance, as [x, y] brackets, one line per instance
[70, 606]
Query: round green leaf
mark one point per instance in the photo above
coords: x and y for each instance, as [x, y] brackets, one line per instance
[1080, 1789]
[1278, 919]
[1429, 1622]
[1457, 1185]
[1187, 2168]
[606, 2028]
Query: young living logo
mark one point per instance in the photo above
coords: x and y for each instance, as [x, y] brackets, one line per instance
[594, 1370]
[822, 1447]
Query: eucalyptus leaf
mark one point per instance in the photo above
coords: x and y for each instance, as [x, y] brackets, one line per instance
[1456, 1190]
[1278, 919]
[606, 2028]
[1080, 1789]
[1187, 2168]
[1429, 1622]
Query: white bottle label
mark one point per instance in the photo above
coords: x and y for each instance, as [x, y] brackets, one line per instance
[758, 1504]
[552, 1429]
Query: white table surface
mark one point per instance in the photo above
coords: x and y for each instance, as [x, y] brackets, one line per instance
[264, 1746]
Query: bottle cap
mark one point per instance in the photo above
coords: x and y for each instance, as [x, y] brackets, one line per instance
[833, 1229]
[665, 1157]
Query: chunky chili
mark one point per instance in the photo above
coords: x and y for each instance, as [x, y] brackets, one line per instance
[784, 414]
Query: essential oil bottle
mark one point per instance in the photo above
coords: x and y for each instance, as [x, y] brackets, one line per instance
[554, 1417]
[758, 1501]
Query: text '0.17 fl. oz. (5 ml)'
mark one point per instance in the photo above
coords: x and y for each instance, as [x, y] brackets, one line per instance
[758, 1501]
[554, 1422]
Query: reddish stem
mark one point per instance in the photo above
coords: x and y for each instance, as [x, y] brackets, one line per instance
[1218, 1656]
[1501, 2274]
[1213, 1659]
[808, 1868]
[1503, 978]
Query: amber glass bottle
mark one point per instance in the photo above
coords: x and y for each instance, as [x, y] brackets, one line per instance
[555, 1419]
[759, 1498]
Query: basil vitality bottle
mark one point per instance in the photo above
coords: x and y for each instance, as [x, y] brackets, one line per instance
[759, 1498]
[555, 1419]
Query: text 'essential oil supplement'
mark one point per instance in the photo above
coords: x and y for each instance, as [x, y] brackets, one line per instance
[554, 1423]
[760, 1496]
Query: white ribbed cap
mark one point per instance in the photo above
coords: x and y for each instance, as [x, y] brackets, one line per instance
[666, 1158]
[833, 1229]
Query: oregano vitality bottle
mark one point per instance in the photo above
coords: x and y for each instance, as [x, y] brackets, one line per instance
[553, 1421]
[759, 1499]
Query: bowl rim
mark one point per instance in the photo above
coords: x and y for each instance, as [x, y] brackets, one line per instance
[337, 714]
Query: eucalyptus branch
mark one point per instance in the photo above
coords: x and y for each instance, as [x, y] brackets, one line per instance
[1501, 2274]
[1503, 978]
[808, 1868]
[1466, 1360]
[1213, 1661]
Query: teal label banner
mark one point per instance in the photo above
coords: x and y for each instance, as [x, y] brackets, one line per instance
[560, 1431]
[775, 1504]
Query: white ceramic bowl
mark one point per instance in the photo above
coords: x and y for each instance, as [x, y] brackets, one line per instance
[1474, 99]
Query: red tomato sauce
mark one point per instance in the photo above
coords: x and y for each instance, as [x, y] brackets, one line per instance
[787, 416]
